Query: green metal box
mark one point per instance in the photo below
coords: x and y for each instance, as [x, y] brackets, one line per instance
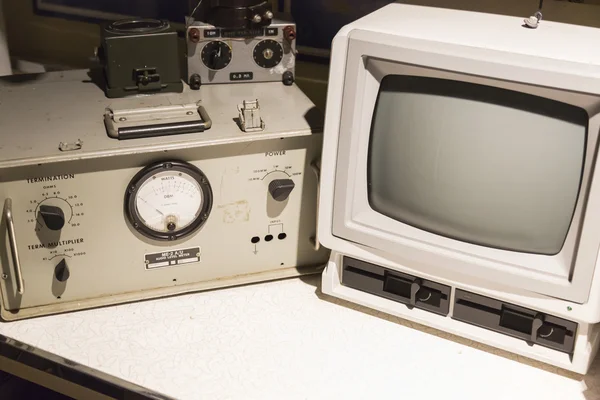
[140, 57]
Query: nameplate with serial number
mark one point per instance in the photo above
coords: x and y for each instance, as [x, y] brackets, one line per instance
[172, 258]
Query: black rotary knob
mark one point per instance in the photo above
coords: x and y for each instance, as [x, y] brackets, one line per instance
[280, 189]
[53, 217]
[61, 271]
[216, 55]
[268, 53]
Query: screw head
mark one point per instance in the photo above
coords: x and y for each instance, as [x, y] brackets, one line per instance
[4, 276]
[122, 119]
[569, 308]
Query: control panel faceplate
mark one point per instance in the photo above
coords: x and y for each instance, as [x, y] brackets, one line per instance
[216, 55]
[76, 242]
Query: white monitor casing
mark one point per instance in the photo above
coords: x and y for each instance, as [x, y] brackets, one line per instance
[556, 61]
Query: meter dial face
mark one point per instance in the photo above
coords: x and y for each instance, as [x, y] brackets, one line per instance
[168, 201]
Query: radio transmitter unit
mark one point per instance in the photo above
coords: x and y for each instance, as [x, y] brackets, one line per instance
[90, 219]
[234, 55]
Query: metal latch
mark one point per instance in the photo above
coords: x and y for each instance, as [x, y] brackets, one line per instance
[147, 79]
[249, 114]
[70, 146]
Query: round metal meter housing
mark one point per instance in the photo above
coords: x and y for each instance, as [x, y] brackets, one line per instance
[168, 201]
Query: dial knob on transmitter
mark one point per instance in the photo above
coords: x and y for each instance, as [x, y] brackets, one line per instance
[280, 189]
[216, 55]
[53, 217]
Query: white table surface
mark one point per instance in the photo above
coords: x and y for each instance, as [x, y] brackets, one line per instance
[285, 340]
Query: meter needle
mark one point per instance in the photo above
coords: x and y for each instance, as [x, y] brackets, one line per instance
[151, 206]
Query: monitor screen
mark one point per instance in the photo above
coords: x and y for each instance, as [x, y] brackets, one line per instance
[475, 163]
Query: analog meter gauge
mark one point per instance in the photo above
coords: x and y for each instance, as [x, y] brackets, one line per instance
[168, 200]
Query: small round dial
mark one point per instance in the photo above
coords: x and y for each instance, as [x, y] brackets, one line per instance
[268, 53]
[168, 201]
[216, 55]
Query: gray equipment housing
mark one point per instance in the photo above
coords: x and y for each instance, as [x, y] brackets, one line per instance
[55, 150]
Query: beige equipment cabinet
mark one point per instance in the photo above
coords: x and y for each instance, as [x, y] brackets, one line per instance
[90, 220]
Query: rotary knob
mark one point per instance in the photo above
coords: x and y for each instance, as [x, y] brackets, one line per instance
[216, 55]
[61, 271]
[280, 189]
[53, 217]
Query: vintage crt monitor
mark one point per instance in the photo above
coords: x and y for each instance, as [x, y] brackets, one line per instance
[459, 179]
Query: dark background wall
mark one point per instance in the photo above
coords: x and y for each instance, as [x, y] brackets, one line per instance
[65, 32]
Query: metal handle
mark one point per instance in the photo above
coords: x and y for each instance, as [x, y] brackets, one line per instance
[165, 129]
[10, 225]
[316, 167]
[175, 128]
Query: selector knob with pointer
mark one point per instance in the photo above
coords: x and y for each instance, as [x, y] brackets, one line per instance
[61, 271]
[53, 217]
[216, 55]
[280, 189]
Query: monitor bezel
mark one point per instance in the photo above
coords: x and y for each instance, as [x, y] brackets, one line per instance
[371, 56]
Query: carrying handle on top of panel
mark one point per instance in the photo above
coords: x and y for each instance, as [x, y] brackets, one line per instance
[156, 121]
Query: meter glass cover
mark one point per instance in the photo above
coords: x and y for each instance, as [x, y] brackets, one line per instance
[168, 201]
